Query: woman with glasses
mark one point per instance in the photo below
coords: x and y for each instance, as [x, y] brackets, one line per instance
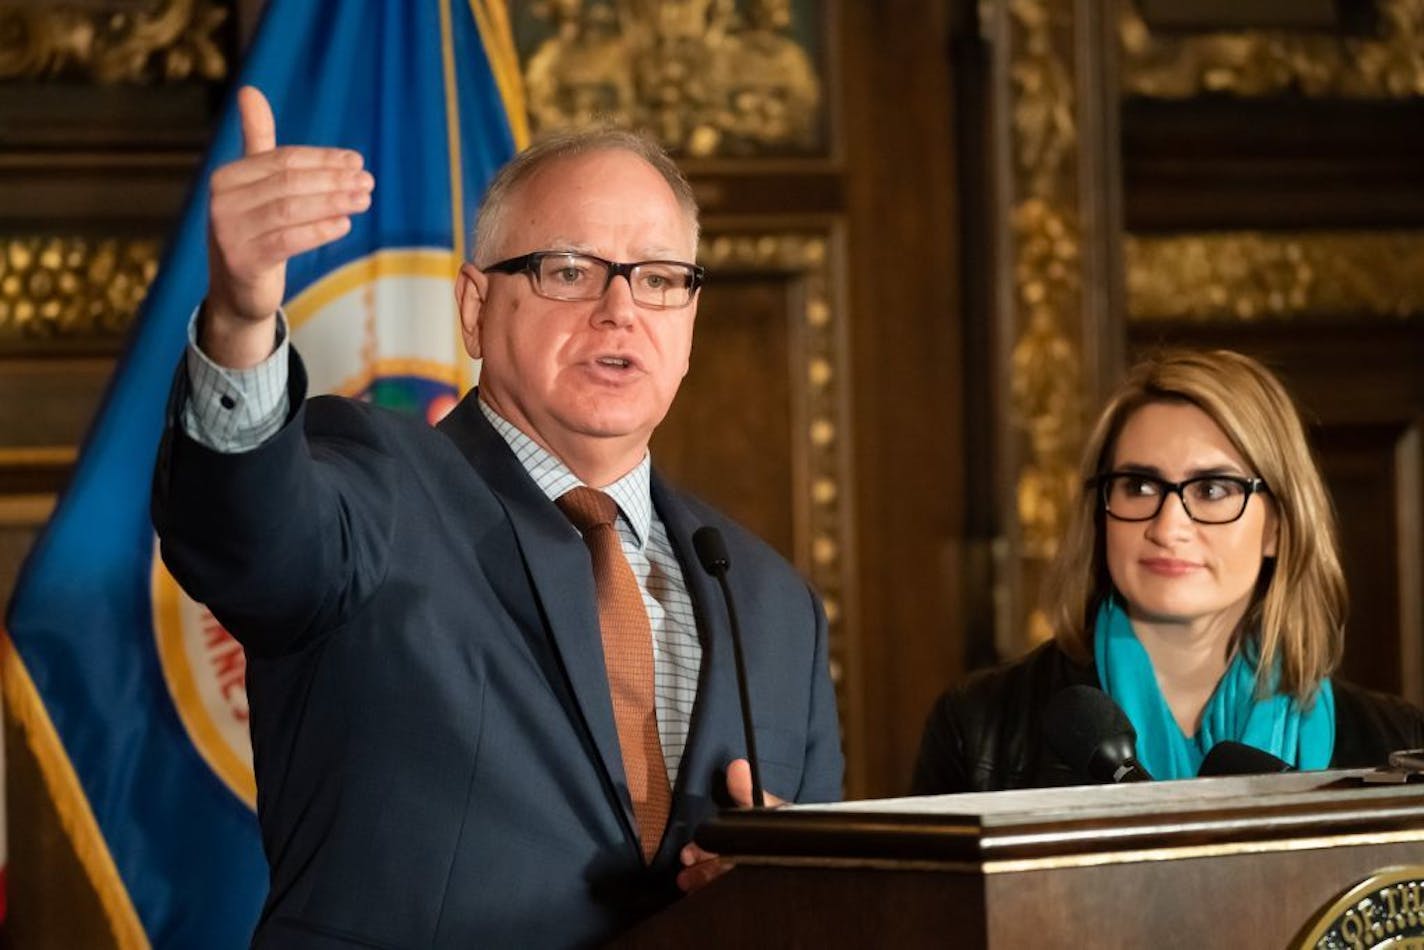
[1199, 586]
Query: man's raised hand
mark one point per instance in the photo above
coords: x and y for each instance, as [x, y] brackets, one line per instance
[265, 208]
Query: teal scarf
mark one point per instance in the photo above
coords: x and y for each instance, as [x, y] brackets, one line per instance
[1276, 724]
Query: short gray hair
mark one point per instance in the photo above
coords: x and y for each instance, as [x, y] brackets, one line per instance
[489, 218]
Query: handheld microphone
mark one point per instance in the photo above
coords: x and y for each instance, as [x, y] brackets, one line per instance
[1238, 758]
[1093, 735]
[712, 552]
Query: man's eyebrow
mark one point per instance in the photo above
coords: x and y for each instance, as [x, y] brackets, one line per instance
[575, 247]
[659, 253]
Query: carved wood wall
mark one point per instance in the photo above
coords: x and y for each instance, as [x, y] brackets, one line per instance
[936, 232]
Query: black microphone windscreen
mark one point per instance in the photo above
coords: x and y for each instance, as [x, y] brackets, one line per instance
[1078, 721]
[1237, 758]
[711, 549]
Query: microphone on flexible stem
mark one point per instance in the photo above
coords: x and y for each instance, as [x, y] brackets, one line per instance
[1093, 735]
[1238, 758]
[712, 552]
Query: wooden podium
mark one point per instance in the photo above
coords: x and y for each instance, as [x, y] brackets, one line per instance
[1252, 862]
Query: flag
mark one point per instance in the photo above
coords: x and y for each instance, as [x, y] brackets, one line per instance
[131, 695]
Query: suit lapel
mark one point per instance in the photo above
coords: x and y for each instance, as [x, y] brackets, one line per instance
[557, 562]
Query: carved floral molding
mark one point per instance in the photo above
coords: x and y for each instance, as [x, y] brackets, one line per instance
[112, 41]
[72, 287]
[1249, 275]
[723, 78]
[1274, 62]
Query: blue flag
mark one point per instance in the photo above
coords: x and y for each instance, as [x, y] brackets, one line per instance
[131, 695]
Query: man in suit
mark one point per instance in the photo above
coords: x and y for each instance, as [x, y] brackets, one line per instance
[463, 733]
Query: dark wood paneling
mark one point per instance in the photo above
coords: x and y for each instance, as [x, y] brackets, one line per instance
[1214, 164]
[52, 905]
[906, 356]
[49, 402]
[729, 436]
[1245, 862]
[1245, 900]
[70, 116]
[752, 187]
[1359, 464]
[1219, 15]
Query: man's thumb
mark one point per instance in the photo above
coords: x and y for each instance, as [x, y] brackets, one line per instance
[739, 782]
[259, 128]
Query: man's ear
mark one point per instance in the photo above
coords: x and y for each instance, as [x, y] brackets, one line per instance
[471, 286]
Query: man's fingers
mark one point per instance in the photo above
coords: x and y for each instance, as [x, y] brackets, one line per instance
[287, 160]
[701, 874]
[739, 785]
[294, 197]
[259, 128]
[269, 234]
[277, 247]
[291, 210]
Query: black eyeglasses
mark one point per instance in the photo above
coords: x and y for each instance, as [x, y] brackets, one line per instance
[564, 275]
[1207, 499]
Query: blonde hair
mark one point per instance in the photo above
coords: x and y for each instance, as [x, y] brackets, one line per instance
[489, 218]
[1298, 610]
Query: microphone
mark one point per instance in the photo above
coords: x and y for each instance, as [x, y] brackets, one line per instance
[712, 552]
[1238, 758]
[1092, 734]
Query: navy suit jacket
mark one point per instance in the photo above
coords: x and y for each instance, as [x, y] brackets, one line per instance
[437, 762]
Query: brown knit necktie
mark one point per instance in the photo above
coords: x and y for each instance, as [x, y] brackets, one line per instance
[628, 655]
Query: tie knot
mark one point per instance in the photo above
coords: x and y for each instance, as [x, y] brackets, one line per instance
[587, 508]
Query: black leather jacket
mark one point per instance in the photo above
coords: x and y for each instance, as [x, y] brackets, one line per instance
[986, 735]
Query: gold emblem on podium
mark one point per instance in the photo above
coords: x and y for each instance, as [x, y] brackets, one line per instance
[1384, 910]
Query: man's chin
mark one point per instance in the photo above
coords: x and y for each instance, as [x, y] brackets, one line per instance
[605, 426]
[604, 421]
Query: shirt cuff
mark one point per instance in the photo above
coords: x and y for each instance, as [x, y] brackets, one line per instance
[235, 410]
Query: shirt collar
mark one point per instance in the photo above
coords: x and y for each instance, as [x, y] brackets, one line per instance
[631, 492]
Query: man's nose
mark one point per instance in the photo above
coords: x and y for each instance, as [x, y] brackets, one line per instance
[616, 307]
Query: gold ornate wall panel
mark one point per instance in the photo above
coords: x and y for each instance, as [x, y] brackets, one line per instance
[111, 41]
[708, 77]
[1041, 293]
[1257, 63]
[1248, 275]
[1245, 276]
[72, 288]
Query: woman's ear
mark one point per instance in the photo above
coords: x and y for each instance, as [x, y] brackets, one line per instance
[1271, 538]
